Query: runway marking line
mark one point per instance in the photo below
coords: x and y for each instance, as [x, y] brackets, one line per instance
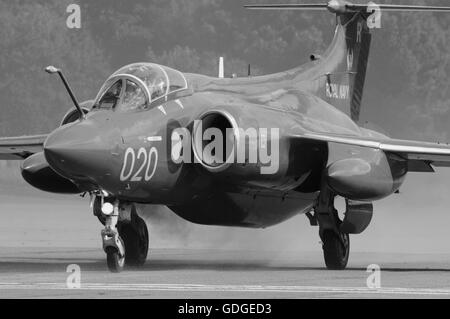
[227, 288]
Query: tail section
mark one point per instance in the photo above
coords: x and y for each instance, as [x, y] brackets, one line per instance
[359, 40]
[344, 82]
[340, 73]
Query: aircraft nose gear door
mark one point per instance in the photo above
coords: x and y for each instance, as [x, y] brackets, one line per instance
[125, 236]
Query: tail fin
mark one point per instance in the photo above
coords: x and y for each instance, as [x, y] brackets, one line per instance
[344, 83]
[343, 67]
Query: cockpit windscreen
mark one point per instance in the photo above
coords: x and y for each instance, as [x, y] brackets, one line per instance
[137, 86]
[111, 97]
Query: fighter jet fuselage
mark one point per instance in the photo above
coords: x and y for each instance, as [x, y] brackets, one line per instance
[139, 156]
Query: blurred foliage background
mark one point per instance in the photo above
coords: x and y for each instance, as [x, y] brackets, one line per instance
[407, 92]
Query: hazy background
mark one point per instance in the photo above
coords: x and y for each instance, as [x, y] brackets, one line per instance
[407, 95]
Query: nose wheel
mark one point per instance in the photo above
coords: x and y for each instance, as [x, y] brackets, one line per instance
[135, 238]
[125, 236]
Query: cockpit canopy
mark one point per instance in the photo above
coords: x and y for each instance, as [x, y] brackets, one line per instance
[138, 86]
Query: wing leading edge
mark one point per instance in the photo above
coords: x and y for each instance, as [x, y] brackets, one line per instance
[431, 153]
[19, 148]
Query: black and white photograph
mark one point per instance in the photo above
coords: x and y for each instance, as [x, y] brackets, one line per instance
[235, 152]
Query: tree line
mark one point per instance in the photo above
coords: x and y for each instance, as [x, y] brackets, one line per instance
[407, 91]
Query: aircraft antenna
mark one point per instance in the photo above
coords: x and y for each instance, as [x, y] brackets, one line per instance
[53, 70]
[221, 68]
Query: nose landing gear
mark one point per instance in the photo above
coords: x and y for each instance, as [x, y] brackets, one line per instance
[135, 237]
[125, 236]
[114, 259]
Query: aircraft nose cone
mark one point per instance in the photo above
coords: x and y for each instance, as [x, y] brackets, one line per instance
[77, 151]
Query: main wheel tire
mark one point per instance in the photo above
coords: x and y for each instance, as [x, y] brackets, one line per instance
[135, 238]
[336, 249]
[114, 261]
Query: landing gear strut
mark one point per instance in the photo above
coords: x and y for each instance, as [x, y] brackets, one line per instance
[335, 243]
[125, 236]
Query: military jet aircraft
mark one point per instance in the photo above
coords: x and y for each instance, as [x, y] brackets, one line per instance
[242, 152]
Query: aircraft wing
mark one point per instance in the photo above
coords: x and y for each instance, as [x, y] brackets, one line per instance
[19, 148]
[430, 153]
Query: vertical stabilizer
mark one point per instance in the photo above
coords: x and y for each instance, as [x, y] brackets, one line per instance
[344, 85]
[342, 70]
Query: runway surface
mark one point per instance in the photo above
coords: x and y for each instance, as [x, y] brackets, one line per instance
[41, 234]
[186, 273]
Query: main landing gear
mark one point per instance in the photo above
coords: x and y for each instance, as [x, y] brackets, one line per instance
[125, 236]
[336, 249]
[334, 232]
[335, 238]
